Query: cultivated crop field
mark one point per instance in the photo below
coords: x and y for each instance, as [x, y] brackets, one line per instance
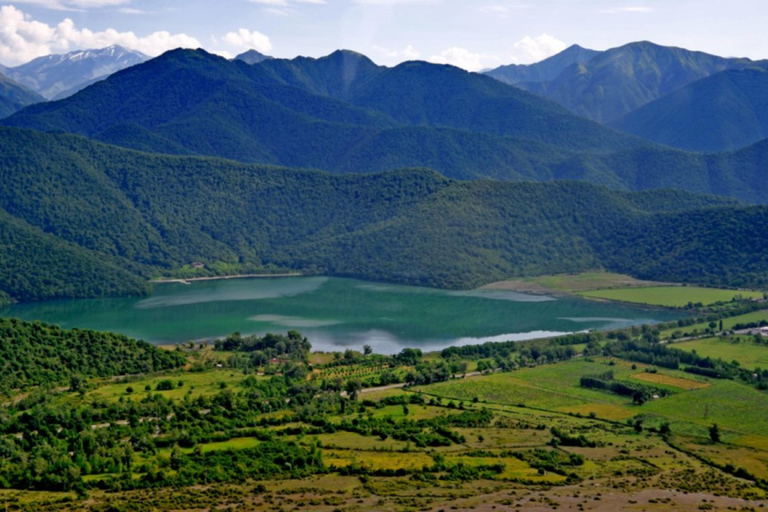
[670, 296]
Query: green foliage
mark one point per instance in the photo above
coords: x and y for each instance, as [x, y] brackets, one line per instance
[35, 354]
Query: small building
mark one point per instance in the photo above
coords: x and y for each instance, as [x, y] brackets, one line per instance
[198, 264]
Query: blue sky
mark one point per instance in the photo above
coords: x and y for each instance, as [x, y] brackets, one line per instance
[470, 34]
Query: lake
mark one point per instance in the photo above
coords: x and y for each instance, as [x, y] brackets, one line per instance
[336, 314]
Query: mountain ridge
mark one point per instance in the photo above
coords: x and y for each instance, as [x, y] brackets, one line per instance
[53, 76]
[545, 70]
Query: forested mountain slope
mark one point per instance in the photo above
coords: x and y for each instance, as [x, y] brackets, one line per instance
[99, 220]
[310, 112]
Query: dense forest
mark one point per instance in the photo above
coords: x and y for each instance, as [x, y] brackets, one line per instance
[86, 219]
[37, 354]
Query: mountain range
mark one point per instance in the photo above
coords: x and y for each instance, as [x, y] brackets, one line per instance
[620, 80]
[343, 113]
[59, 76]
[219, 164]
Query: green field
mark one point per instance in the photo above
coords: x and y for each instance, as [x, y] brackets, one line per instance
[740, 348]
[193, 385]
[731, 405]
[670, 296]
[571, 283]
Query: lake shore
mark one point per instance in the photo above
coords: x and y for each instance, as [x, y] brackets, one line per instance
[220, 278]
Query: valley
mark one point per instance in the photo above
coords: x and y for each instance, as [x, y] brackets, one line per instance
[529, 277]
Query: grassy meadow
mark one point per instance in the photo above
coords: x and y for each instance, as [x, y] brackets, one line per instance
[670, 296]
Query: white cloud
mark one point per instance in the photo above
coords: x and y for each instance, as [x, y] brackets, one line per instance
[245, 39]
[463, 58]
[630, 9]
[534, 49]
[23, 39]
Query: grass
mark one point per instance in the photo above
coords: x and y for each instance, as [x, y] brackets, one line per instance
[731, 405]
[377, 460]
[194, 385]
[670, 296]
[570, 283]
[741, 349]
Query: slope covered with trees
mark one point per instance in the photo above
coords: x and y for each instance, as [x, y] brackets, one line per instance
[98, 220]
[310, 112]
[36, 354]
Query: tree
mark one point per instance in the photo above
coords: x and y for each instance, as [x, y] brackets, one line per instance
[367, 350]
[352, 388]
[77, 384]
[714, 433]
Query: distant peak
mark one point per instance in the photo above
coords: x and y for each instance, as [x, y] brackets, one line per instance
[252, 57]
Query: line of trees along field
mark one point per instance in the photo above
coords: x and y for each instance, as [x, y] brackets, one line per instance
[84, 219]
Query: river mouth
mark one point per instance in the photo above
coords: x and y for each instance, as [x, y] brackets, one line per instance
[336, 314]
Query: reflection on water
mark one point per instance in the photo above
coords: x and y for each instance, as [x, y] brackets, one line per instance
[337, 313]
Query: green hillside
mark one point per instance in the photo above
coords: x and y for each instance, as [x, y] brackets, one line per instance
[726, 111]
[35, 354]
[98, 220]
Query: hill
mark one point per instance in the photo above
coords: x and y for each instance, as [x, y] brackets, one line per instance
[14, 96]
[58, 76]
[726, 111]
[544, 71]
[130, 215]
[36, 354]
[623, 79]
